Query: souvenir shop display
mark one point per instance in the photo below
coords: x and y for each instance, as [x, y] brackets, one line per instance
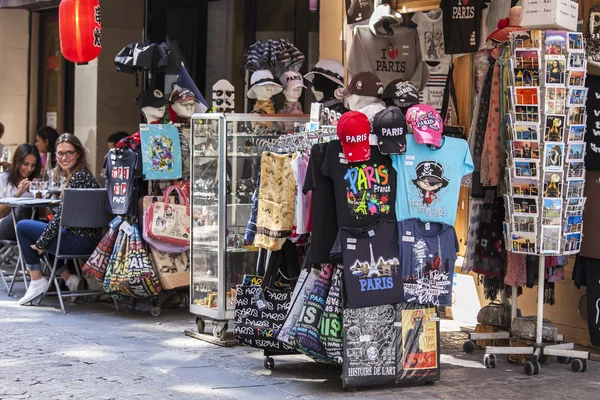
[324, 79]
[228, 152]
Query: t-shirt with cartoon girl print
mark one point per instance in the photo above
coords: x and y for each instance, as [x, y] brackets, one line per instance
[429, 179]
[364, 191]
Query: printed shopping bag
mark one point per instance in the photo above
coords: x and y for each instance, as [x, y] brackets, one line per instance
[305, 335]
[116, 271]
[331, 321]
[142, 280]
[169, 222]
[260, 309]
[161, 151]
[95, 266]
[173, 269]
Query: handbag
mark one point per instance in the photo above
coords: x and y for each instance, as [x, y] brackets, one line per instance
[331, 321]
[116, 274]
[142, 281]
[173, 269]
[169, 222]
[494, 314]
[260, 309]
[95, 266]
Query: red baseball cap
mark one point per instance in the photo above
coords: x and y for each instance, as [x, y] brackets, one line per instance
[353, 130]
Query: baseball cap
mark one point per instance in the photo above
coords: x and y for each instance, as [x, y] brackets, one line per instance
[291, 79]
[151, 98]
[426, 124]
[353, 130]
[390, 127]
[362, 84]
[183, 95]
[401, 93]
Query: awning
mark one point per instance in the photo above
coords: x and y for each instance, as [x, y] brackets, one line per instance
[22, 3]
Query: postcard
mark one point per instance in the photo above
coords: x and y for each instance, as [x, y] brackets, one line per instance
[526, 169]
[576, 152]
[554, 155]
[575, 188]
[525, 96]
[526, 132]
[526, 40]
[525, 150]
[551, 211]
[572, 243]
[524, 187]
[555, 71]
[555, 100]
[576, 77]
[555, 125]
[575, 170]
[576, 116]
[524, 224]
[525, 205]
[577, 60]
[576, 133]
[575, 41]
[525, 77]
[574, 224]
[527, 59]
[575, 206]
[550, 240]
[523, 243]
[577, 96]
[529, 113]
[553, 184]
[556, 42]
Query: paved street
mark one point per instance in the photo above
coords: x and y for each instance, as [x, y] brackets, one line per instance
[94, 352]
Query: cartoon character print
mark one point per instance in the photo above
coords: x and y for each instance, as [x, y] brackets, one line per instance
[161, 152]
[430, 179]
[368, 189]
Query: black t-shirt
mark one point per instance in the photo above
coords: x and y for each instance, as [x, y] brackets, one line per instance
[370, 256]
[462, 20]
[324, 220]
[364, 191]
[592, 135]
[122, 167]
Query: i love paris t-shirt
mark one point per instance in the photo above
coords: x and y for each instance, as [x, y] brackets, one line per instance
[429, 179]
[372, 272]
[364, 191]
[462, 25]
[427, 254]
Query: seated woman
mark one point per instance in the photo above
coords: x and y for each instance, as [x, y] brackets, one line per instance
[35, 236]
[15, 182]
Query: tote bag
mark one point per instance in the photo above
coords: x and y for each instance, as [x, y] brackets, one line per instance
[169, 222]
[95, 266]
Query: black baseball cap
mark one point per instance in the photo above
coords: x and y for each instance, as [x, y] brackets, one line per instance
[401, 93]
[151, 98]
[389, 125]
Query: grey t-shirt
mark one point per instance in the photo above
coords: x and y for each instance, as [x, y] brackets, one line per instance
[388, 57]
[427, 254]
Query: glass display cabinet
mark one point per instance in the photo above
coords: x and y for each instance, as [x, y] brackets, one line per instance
[226, 153]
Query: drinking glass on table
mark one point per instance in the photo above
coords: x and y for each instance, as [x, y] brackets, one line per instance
[34, 187]
[43, 188]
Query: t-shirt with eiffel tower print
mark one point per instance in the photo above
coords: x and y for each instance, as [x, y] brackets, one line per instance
[370, 257]
[364, 191]
[462, 25]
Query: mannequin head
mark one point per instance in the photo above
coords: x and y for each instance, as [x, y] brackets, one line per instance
[152, 104]
[356, 102]
[324, 88]
[183, 102]
[292, 95]
[263, 86]
[152, 114]
[292, 83]
[326, 76]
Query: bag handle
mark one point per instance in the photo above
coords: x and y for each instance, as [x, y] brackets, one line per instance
[182, 197]
[450, 91]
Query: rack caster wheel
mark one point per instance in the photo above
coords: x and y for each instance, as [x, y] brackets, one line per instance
[469, 347]
[269, 363]
[155, 312]
[429, 383]
[220, 331]
[532, 368]
[564, 360]
[489, 360]
[350, 389]
[578, 365]
[200, 324]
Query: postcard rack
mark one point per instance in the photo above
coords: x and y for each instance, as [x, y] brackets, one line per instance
[545, 176]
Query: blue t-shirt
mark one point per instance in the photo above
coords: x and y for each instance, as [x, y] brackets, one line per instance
[429, 180]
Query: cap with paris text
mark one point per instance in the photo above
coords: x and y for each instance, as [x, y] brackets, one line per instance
[389, 125]
[353, 130]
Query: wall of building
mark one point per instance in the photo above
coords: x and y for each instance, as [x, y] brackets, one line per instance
[14, 47]
[330, 26]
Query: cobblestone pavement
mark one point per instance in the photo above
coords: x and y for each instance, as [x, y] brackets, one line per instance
[95, 352]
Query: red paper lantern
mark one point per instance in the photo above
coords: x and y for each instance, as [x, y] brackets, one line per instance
[79, 23]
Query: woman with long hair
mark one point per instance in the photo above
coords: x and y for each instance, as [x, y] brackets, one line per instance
[35, 237]
[45, 141]
[15, 183]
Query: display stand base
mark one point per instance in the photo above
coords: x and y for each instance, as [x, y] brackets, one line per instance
[206, 337]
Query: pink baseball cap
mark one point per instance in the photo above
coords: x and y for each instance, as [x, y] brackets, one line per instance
[426, 124]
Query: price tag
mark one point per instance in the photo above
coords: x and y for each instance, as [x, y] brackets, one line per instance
[351, 240]
[408, 233]
[259, 299]
[364, 338]
[341, 155]
[343, 161]
[127, 228]
[427, 226]
[371, 233]
[397, 324]
[351, 247]
[410, 157]
[408, 239]
[408, 163]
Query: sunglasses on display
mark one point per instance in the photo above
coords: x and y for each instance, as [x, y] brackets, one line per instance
[219, 93]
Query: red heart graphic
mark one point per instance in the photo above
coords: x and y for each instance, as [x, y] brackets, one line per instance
[392, 53]
[465, 2]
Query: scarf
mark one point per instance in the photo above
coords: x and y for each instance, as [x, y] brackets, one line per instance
[263, 107]
[291, 107]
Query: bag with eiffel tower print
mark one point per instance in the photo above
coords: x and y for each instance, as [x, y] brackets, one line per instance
[370, 257]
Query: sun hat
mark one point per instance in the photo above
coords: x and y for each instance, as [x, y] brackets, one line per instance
[260, 78]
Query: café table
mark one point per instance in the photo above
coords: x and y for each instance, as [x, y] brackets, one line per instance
[15, 203]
